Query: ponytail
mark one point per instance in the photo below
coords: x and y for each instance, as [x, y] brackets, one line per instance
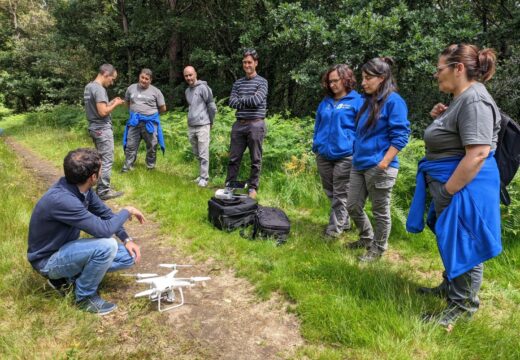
[487, 59]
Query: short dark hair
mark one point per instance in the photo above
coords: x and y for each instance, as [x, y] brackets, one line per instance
[250, 52]
[107, 69]
[147, 71]
[80, 164]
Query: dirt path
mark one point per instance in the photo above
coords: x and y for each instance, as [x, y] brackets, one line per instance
[223, 320]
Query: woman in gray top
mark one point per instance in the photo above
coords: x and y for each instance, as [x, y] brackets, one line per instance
[462, 176]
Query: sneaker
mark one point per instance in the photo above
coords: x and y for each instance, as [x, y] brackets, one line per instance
[197, 179]
[202, 183]
[346, 227]
[440, 291]
[96, 305]
[252, 193]
[127, 169]
[110, 194]
[360, 244]
[332, 234]
[61, 286]
[370, 256]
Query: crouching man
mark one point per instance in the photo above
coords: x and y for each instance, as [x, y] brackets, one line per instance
[68, 207]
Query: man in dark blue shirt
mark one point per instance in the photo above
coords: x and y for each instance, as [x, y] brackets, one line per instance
[249, 97]
[68, 207]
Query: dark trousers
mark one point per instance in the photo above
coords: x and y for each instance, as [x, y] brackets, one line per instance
[463, 290]
[246, 134]
[135, 134]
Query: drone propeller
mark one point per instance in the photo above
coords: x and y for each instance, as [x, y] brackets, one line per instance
[195, 278]
[145, 293]
[141, 276]
[174, 266]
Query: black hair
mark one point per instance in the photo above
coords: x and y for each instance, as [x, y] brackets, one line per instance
[80, 164]
[250, 52]
[380, 67]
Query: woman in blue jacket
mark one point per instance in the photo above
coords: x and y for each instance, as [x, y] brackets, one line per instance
[462, 177]
[333, 141]
[382, 131]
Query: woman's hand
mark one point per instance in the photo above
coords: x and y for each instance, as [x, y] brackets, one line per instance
[437, 110]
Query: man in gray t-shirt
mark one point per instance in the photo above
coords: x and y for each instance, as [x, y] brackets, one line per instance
[98, 109]
[145, 102]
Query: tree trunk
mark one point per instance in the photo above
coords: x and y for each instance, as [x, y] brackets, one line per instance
[124, 24]
[13, 7]
[173, 46]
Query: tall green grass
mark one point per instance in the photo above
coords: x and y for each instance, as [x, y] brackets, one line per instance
[348, 310]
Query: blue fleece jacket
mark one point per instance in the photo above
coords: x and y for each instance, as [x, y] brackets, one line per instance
[335, 127]
[149, 121]
[59, 216]
[392, 128]
[468, 230]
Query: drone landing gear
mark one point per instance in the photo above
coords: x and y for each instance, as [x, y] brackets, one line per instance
[170, 298]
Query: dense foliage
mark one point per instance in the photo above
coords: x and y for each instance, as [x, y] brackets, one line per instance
[50, 49]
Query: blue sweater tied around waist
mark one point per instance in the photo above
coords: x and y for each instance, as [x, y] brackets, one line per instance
[468, 230]
[149, 121]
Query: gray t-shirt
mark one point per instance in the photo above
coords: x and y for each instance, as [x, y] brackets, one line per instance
[144, 101]
[471, 119]
[95, 93]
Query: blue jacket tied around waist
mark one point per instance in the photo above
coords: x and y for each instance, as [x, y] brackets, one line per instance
[149, 121]
[468, 230]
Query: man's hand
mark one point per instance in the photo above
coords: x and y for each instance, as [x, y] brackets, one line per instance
[438, 109]
[116, 101]
[134, 212]
[134, 250]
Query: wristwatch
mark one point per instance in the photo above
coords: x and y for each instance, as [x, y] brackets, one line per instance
[127, 240]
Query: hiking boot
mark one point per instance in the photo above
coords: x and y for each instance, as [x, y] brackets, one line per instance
[252, 193]
[110, 194]
[202, 183]
[448, 317]
[370, 256]
[96, 305]
[440, 291]
[360, 244]
[61, 286]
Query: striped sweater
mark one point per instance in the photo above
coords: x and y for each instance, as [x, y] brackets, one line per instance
[249, 97]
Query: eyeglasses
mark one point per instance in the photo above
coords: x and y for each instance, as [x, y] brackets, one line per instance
[445, 66]
[333, 81]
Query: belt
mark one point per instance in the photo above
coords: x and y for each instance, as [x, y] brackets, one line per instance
[247, 121]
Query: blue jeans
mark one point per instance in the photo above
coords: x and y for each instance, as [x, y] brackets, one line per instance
[88, 260]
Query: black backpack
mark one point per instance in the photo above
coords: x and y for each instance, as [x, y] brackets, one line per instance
[507, 154]
[270, 222]
[231, 214]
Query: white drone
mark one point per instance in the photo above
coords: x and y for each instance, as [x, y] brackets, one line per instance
[164, 288]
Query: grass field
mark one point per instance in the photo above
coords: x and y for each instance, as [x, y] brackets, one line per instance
[347, 310]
